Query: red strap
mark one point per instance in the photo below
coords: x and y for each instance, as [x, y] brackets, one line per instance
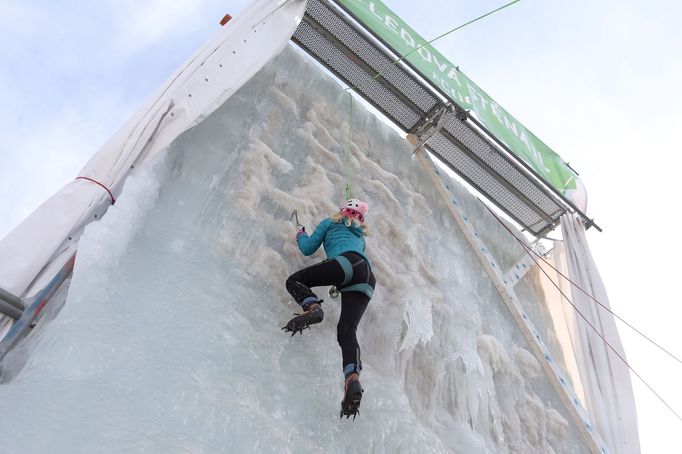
[113, 200]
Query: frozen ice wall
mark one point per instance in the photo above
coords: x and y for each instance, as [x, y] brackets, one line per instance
[170, 340]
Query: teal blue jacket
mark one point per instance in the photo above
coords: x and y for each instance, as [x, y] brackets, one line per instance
[336, 238]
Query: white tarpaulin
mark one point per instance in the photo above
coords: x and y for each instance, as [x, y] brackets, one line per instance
[202, 84]
[562, 313]
[604, 379]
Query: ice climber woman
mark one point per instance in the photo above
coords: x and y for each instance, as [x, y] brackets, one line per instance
[347, 268]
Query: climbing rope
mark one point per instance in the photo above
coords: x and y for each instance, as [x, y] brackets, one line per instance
[347, 189]
[530, 250]
[527, 249]
[444, 35]
[347, 186]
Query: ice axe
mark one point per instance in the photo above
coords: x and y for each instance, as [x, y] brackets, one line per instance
[294, 215]
[333, 291]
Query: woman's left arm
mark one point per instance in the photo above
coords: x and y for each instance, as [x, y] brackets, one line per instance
[309, 244]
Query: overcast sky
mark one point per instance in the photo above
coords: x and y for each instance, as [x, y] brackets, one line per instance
[598, 81]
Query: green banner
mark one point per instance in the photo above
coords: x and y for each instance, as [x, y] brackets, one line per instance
[435, 67]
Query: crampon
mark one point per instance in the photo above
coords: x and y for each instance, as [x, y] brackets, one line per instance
[303, 321]
[350, 406]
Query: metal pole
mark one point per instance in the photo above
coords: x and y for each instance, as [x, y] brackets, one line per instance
[9, 310]
[553, 372]
[24, 324]
[11, 299]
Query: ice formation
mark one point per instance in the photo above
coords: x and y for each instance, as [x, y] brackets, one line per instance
[170, 337]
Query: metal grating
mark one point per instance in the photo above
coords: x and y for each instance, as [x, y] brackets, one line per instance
[363, 62]
[485, 182]
[350, 72]
[501, 165]
[372, 56]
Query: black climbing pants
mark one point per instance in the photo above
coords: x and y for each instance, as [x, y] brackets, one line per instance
[353, 303]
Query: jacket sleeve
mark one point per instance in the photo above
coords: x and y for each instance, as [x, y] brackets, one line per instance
[309, 244]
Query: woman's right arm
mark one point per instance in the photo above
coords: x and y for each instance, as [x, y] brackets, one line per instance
[309, 244]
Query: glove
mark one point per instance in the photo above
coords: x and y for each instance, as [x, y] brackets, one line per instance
[301, 232]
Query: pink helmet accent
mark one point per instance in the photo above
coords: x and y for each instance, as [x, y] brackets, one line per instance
[356, 206]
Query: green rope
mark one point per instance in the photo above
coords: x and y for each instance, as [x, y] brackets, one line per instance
[347, 193]
[445, 34]
[347, 190]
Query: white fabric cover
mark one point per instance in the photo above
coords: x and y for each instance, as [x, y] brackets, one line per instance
[604, 378]
[562, 313]
[201, 85]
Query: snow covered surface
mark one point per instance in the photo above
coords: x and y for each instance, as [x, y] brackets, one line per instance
[170, 339]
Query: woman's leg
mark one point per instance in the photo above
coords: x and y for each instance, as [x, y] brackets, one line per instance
[328, 272]
[353, 305]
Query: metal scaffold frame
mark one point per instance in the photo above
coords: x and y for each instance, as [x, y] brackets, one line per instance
[335, 38]
[505, 287]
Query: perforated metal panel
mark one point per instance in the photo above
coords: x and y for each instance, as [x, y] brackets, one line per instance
[502, 166]
[387, 102]
[373, 56]
[364, 63]
[478, 175]
[352, 56]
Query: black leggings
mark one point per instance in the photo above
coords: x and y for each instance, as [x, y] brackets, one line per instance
[353, 303]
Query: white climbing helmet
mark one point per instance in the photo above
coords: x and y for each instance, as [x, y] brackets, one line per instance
[357, 207]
